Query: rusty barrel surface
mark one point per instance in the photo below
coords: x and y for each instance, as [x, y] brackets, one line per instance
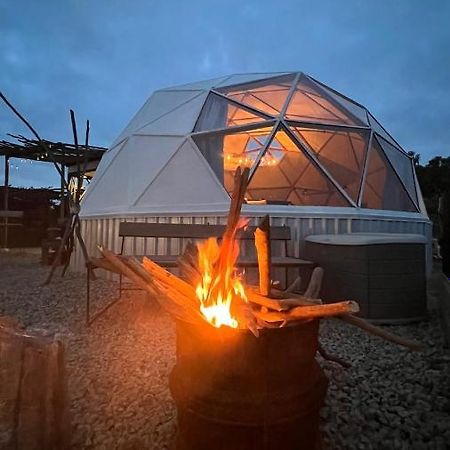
[234, 391]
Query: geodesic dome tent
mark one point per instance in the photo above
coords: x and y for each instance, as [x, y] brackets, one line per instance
[306, 145]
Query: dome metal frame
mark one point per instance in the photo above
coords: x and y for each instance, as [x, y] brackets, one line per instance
[305, 143]
[280, 121]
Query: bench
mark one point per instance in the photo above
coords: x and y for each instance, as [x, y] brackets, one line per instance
[280, 235]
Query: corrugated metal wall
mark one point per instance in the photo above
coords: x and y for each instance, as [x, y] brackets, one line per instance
[104, 231]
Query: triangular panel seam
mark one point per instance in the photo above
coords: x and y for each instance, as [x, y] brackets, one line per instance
[334, 102]
[396, 173]
[207, 165]
[169, 112]
[92, 188]
[242, 105]
[310, 154]
[159, 172]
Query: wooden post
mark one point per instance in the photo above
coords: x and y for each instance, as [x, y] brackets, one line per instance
[35, 406]
[262, 244]
[62, 208]
[6, 203]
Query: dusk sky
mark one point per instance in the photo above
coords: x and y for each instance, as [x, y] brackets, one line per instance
[103, 58]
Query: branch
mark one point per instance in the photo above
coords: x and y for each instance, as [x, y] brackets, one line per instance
[323, 353]
[41, 142]
[262, 244]
[377, 331]
[315, 283]
[310, 312]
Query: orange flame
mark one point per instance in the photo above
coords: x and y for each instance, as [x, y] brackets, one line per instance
[220, 282]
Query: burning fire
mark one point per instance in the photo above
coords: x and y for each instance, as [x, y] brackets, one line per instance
[220, 284]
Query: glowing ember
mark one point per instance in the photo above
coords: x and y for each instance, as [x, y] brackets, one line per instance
[220, 283]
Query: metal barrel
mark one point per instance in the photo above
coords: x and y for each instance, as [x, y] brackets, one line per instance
[236, 391]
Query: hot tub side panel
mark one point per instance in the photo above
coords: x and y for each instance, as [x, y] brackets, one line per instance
[387, 280]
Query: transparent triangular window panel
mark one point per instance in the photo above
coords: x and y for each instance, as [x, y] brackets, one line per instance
[218, 113]
[225, 152]
[341, 153]
[286, 175]
[241, 78]
[268, 96]
[376, 126]
[310, 103]
[358, 111]
[382, 187]
[402, 165]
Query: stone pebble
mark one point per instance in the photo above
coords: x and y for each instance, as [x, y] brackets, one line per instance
[118, 370]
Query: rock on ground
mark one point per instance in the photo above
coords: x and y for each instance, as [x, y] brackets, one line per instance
[118, 370]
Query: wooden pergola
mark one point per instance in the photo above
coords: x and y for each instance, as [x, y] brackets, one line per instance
[70, 158]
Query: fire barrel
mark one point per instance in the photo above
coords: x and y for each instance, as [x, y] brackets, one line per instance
[236, 391]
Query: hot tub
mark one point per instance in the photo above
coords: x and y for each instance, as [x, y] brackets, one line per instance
[384, 272]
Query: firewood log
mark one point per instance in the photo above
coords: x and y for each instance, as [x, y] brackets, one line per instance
[293, 302]
[187, 272]
[315, 283]
[171, 285]
[262, 244]
[237, 199]
[170, 279]
[228, 244]
[280, 302]
[190, 255]
[295, 285]
[171, 289]
[188, 264]
[255, 297]
[330, 309]
[292, 299]
[133, 263]
[191, 312]
[310, 312]
[244, 315]
[377, 331]
[102, 263]
[121, 267]
[172, 306]
[325, 355]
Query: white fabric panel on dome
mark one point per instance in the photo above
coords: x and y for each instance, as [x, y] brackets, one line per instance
[131, 171]
[199, 85]
[249, 77]
[179, 121]
[380, 130]
[151, 153]
[185, 180]
[159, 104]
[357, 111]
[102, 167]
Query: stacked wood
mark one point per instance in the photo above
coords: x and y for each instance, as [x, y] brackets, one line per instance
[179, 299]
[33, 392]
[264, 306]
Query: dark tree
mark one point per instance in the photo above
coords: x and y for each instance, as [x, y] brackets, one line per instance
[434, 177]
[434, 180]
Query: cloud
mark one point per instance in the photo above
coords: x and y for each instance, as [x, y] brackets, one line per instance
[104, 58]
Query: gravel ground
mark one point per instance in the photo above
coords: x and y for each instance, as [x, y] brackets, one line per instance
[118, 370]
